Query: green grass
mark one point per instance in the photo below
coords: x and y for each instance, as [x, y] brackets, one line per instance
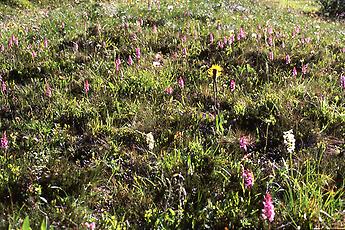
[79, 157]
[306, 6]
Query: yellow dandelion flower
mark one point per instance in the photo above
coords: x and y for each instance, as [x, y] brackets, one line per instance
[215, 70]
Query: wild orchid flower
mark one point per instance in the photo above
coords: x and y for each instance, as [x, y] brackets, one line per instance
[130, 60]
[242, 34]
[10, 43]
[3, 87]
[211, 38]
[86, 86]
[342, 81]
[232, 85]
[270, 56]
[15, 40]
[45, 43]
[4, 141]
[289, 141]
[33, 54]
[270, 41]
[150, 140]
[270, 30]
[117, 64]
[248, 178]
[231, 39]
[220, 45]
[91, 226]
[181, 82]
[287, 59]
[294, 71]
[225, 40]
[184, 51]
[268, 209]
[244, 143]
[137, 53]
[154, 29]
[305, 69]
[169, 90]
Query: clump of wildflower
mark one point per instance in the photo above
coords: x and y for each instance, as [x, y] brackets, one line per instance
[86, 86]
[154, 29]
[91, 226]
[211, 38]
[270, 41]
[169, 90]
[181, 82]
[150, 140]
[270, 30]
[232, 85]
[117, 64]
[296, 31]
[15, 40]
[33, 54]
[304, 69]
[130, 60]
[289, 141]
[4, 141]
[220, 44]
[225, 40]
[268, 209]
[45, 43]
[287, 59]
[294, 71]
[140, 22]
[3, 87]
[10, 43]
[184, 51]
[270, 56]
[342, 81]
[137, 53]
[248, 178]
[156, 63]
[244, 142]
[231, 39]
[241, 34]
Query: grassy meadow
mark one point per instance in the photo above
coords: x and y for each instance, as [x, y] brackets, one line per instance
[203, 114]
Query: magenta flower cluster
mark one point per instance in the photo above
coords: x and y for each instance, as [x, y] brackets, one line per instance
[268, 209]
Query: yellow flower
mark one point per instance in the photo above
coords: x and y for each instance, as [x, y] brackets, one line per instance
[215, 69]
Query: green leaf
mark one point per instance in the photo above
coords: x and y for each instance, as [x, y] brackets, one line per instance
[26, 224]
[44, 225]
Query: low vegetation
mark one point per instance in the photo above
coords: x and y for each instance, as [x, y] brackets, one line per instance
[170, 115]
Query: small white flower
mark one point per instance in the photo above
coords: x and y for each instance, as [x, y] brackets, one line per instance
[289, 141]
[150, 140]
[156, 63]
[170, 7]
